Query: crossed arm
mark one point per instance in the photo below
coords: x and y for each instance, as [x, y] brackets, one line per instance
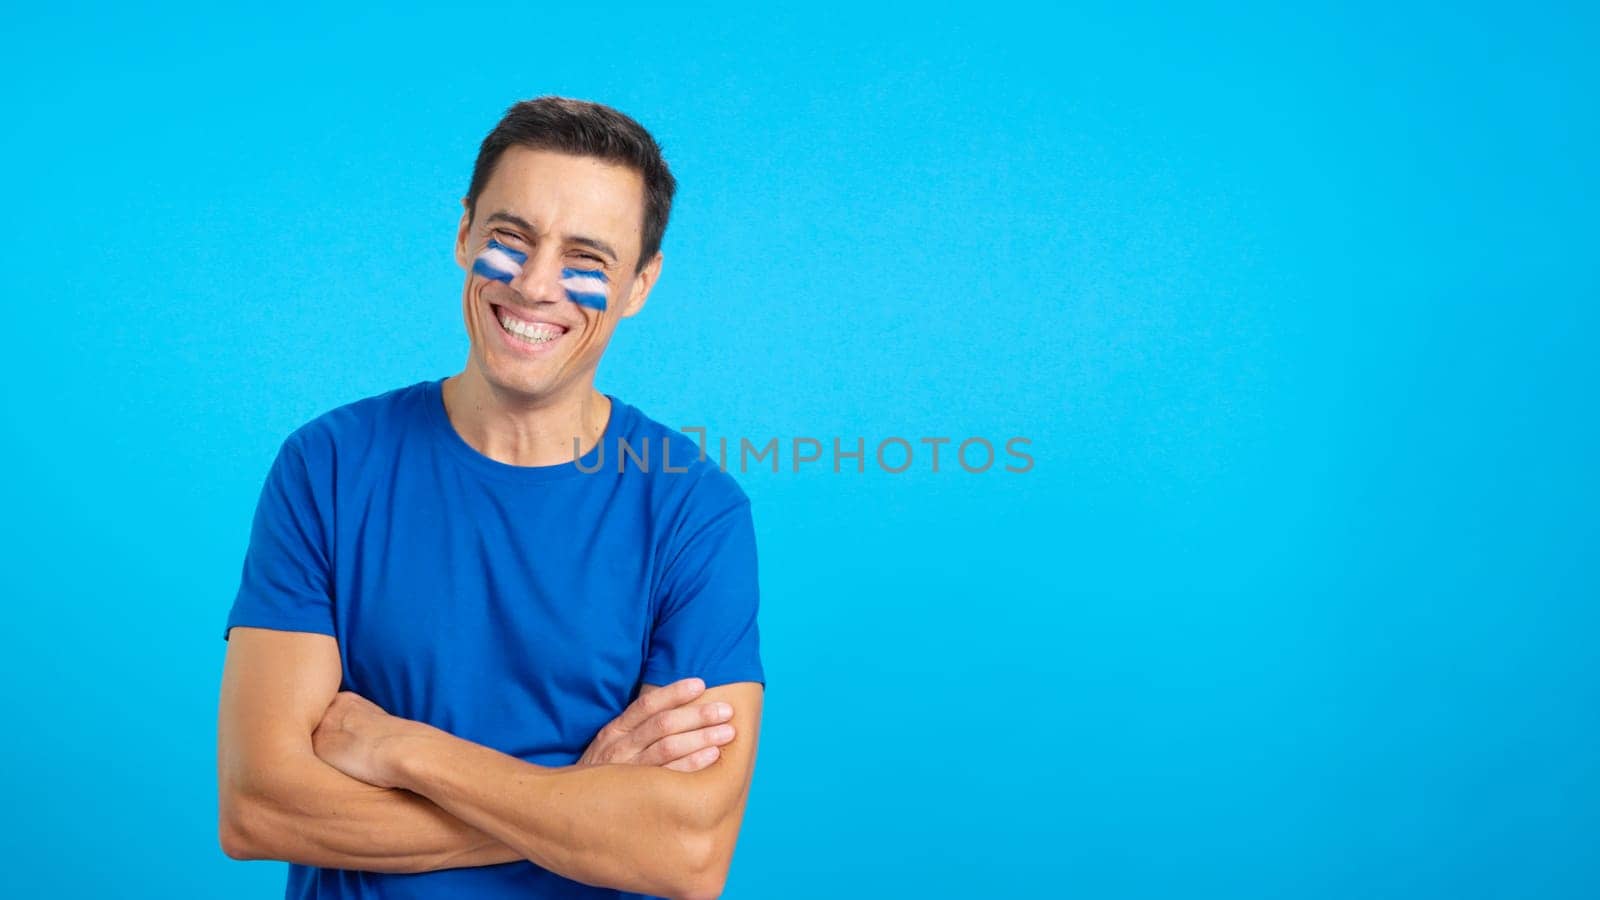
[311, 775]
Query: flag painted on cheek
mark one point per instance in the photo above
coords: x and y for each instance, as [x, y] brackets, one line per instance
[585, 287]
[499, 262]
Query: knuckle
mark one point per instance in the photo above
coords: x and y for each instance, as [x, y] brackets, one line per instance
[660, 725]
[680, 745]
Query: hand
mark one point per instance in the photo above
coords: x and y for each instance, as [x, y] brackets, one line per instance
[662, 728]
[353, 734]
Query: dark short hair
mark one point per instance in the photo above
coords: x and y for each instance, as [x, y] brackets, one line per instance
[582, 128]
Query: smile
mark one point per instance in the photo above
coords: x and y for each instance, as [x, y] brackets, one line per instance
[527, 331]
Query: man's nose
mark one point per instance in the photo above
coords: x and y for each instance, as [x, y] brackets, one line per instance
[540, 278]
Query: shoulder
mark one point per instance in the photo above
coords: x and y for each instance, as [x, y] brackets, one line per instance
[676, 467]
[357, 426]
[341, 443]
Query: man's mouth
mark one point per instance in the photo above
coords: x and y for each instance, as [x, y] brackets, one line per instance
[527, 330]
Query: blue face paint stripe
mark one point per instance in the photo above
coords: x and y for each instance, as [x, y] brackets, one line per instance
[583, 273]
[593, 301]
[482, 267]
[512, 252]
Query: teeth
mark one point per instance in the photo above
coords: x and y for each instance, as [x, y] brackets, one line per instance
[533, 333]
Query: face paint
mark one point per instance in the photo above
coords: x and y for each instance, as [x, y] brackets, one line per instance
[498, 262]
[585, 287]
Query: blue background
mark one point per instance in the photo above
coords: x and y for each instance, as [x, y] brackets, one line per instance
[1296, 307]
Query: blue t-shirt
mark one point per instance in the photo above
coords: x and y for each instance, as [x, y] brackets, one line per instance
[518, 607]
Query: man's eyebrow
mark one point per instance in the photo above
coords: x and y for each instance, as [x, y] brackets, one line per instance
[514, 219]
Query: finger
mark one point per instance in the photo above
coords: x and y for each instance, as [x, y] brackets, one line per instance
[679, 720]
[694, 762]
[672, 695]
[678, 746]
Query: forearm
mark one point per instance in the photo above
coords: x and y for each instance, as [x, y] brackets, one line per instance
[636, 828]
[310, 813]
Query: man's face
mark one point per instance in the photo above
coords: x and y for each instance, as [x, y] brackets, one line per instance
[557, 220]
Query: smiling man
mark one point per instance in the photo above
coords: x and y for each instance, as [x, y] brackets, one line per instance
[473, 654]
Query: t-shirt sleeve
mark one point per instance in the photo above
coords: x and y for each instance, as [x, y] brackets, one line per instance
[286, 583]
[705, 623]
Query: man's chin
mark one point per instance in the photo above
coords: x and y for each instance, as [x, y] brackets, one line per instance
[528, 380]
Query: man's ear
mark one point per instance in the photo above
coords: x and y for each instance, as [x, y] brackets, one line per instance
[642, 283]
[463, 231]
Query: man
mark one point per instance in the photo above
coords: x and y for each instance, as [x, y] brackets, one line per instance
[496, 633]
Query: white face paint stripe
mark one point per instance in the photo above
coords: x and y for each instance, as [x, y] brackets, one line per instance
[584, 284]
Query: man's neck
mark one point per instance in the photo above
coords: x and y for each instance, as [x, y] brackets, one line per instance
[520, 432]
